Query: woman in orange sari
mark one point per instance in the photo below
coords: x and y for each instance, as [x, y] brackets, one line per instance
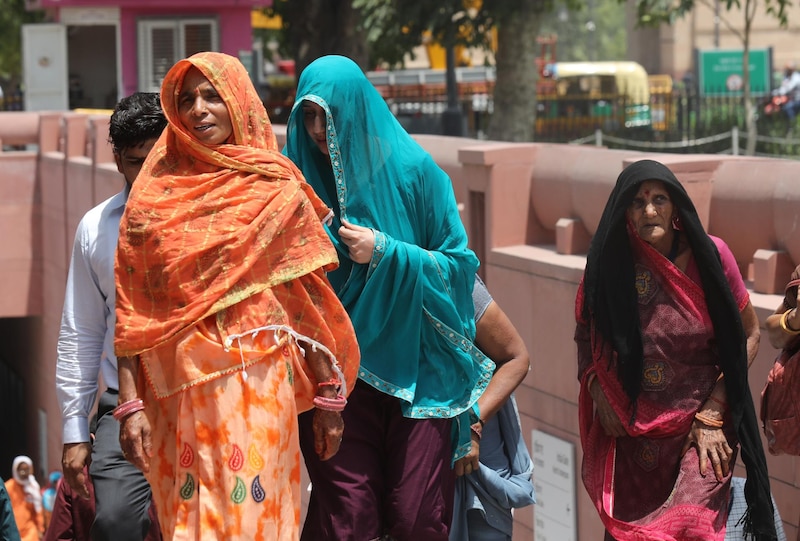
[226, 324]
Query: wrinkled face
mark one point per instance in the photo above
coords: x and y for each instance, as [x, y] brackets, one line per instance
[651, 213]
[24, 470]
[129, 160]
[202, 111]
[314, 120]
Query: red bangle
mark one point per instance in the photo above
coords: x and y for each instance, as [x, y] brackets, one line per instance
[330, 404]
[333, 382]
[127, 408]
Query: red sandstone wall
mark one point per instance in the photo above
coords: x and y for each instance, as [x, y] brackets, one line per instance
[529, 209]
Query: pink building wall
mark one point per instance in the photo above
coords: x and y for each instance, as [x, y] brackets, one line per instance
[234, 16]
[234, 30]
[529, 209]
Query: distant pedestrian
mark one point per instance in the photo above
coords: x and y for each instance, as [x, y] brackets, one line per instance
[790, 87]
[49, 495]
[26, 499]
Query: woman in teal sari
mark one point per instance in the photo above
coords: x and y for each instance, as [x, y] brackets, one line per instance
[405, 278]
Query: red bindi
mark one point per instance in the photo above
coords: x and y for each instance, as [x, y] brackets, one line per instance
[647, 193]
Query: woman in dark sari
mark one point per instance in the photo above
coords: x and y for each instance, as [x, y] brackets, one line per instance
[665, 334]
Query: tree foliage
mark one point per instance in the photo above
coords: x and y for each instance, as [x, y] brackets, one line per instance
[394, 27]
[656, 12]
[12, 16]
[313, 28]
[391, 29]
[594, 31]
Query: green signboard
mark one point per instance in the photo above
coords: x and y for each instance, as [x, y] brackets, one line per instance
[720, 72]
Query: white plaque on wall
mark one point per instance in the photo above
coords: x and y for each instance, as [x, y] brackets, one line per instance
[554, 515]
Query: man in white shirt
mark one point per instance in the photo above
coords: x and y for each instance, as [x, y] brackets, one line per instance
[86, 343]
[790, 87]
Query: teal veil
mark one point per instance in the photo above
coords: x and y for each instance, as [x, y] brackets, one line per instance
[411, 306]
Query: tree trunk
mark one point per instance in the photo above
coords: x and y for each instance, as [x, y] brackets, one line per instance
[749, 109]
[319, 27]
[515, 88]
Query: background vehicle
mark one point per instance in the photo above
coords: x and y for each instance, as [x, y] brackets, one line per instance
[592, 95]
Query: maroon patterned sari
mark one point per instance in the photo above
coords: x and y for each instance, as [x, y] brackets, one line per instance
[642, 488]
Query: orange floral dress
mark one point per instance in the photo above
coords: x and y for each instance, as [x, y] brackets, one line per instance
[221, 288]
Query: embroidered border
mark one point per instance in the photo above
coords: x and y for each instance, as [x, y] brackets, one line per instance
[646, 284]
[377, 252]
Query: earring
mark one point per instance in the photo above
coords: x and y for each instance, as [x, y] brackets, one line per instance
[676, 222]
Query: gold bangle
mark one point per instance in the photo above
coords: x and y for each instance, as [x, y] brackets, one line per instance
[708, 421]
[785, 324]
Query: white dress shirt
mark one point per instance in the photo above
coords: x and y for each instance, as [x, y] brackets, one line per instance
[790, 86]
[86, 339]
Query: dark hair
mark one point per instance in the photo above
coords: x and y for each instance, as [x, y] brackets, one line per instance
[136, 119]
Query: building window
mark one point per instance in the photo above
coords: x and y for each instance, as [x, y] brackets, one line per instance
[162, 42]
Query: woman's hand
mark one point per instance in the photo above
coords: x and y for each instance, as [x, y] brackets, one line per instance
[135, 441]
[359, 240]
[711, 445]
[608, 417]
[328, 431]
[469, 463]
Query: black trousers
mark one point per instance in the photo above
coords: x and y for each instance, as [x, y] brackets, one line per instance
[122, 494]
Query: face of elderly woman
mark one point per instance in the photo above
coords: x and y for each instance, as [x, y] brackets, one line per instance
[202, 111]
[651, 213]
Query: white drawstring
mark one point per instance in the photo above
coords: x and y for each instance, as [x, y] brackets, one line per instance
[297, 339]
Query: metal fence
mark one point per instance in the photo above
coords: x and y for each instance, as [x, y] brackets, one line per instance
[13, 102]
[680, 121]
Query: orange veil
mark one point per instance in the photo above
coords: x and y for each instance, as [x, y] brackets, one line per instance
[208, 227]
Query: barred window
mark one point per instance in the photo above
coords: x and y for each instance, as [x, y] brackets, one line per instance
[162, 42]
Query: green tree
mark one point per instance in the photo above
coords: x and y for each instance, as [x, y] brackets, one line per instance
[396, 27]
[595, 31]
[313, 28]
[376, 31]
[655, 12]
[13, 15]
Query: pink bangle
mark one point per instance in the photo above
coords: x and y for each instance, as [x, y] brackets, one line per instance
[330, 404]
[127, 408]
